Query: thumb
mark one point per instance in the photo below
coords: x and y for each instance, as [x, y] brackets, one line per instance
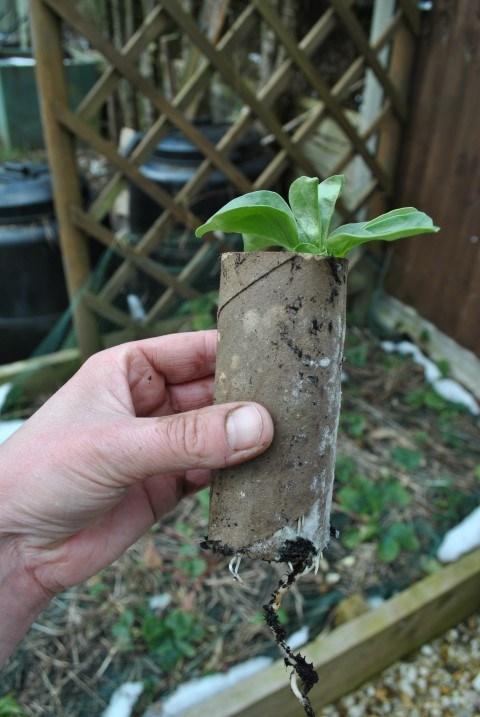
[211, 437]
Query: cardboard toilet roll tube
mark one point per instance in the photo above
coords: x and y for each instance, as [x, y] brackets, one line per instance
[281, 323]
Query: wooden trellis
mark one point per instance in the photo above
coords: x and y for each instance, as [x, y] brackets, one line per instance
[63, 128]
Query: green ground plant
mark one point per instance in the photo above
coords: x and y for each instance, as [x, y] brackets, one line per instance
[374, 505]
[9, 707]
[168, 639]
[407, 458]
[353, 424]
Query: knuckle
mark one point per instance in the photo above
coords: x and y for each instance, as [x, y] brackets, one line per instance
[189, 436]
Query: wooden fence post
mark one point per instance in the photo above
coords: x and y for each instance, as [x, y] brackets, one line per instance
[52, 87]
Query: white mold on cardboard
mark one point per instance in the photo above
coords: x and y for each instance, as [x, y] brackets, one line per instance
[310, 527]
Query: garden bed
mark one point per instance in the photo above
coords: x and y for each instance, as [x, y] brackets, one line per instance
[408, 469]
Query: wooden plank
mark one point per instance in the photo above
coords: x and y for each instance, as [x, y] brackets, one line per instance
[440, 173]
[188, 273]
[361, 41]
[361, 648]
[222, 64]
[148, 266]
[59, 359]
[68, 12]
[412, 13]
[390, 135]
[110, 312]
[155, 23]
[375, 125]
[47, 35]
[397, 319]
[322, 89]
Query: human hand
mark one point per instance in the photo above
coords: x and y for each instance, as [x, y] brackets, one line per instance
[115, 449]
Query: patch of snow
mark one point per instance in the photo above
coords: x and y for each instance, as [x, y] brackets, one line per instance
[195, 691]
[298, 638]
[406, 348]
[159, 602]
[375, 601]
[447, 388]
[7, 428]
[461, 539]
[123, 700]
[4, 391]
[452, 391]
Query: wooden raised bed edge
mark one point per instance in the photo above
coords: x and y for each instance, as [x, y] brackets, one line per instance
[361, 648]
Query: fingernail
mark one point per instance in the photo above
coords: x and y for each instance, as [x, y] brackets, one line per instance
[244, 428]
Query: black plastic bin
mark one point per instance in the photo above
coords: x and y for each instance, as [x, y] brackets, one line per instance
[33, 294]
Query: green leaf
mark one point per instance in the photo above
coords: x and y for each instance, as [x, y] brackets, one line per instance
[350, 498]
[388, 548]
[306, 248]
[345, 468]
[357, 355]
[303, 199]
[122, 630]
[167, 655]
[351, 538]
[405, 536]
[253, 242]
[9, 707]
[328, 192]
[410, 460]
[403, 222]
[263, 216]
[353, 424]
[395, 493]
[193, 567]
[355, 536]
[429, 565]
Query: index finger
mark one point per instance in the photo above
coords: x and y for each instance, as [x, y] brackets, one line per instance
[179, 357]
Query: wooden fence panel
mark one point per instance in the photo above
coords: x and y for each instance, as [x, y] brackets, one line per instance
[440, 174]
[209, 56]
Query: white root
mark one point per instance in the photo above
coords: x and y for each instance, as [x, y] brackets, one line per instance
[295, 688]
[234, 566]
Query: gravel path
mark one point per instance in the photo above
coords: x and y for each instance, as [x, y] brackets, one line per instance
[442, 679]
